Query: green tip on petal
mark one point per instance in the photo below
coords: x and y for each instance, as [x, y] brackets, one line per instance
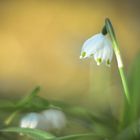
[99, 61]
[83, 54]
[108, 62]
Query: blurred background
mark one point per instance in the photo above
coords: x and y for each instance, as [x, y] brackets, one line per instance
[40, 44]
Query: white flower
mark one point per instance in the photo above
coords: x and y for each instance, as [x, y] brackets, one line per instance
[99, 47]
[54, 119]
[32, 120]
[49, 120]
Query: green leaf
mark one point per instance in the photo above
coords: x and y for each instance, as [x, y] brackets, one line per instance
[132, 111]
[131, 132]
[7, 105]
[25, 102]
[134, 86]
[36, 104]
[29, 97]
[33, 133]
[79, 136]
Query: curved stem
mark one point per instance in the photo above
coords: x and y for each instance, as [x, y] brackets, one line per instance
[111, 32]
[125, 118]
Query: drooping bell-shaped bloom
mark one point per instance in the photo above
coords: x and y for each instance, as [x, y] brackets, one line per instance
[32, 120]
[98, 47]
[49, 120]
[54, 119]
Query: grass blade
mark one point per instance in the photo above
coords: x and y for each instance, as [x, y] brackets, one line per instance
[33, 133]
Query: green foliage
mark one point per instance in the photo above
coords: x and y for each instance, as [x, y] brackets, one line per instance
[99, 126]
[132, 111]
[7, 105]
[129, 133]
[28, 98]
[130, 129]
[42, 135]
[33, 102]
[33, 133]
[134, 85]
[30, 102]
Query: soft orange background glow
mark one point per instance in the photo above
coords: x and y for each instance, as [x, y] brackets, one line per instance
[40, 44]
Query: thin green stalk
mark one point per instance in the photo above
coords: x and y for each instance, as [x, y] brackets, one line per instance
[111, 32]
[11, 117]
[127, 100]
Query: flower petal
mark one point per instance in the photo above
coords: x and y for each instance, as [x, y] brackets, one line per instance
[98, 56]
[108, 51]
[54, 119]
[98, 46]
[92, 45]
[30, 120]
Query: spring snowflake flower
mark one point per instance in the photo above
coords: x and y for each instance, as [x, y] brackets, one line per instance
[49, 120]
[54, 119]
[32, 120]
[99, 47]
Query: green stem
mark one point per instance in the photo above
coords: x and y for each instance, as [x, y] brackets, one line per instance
[111, 32]
[125, 118]
[11, 117]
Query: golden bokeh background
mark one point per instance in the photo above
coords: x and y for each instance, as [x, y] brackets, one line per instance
[40, 44]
